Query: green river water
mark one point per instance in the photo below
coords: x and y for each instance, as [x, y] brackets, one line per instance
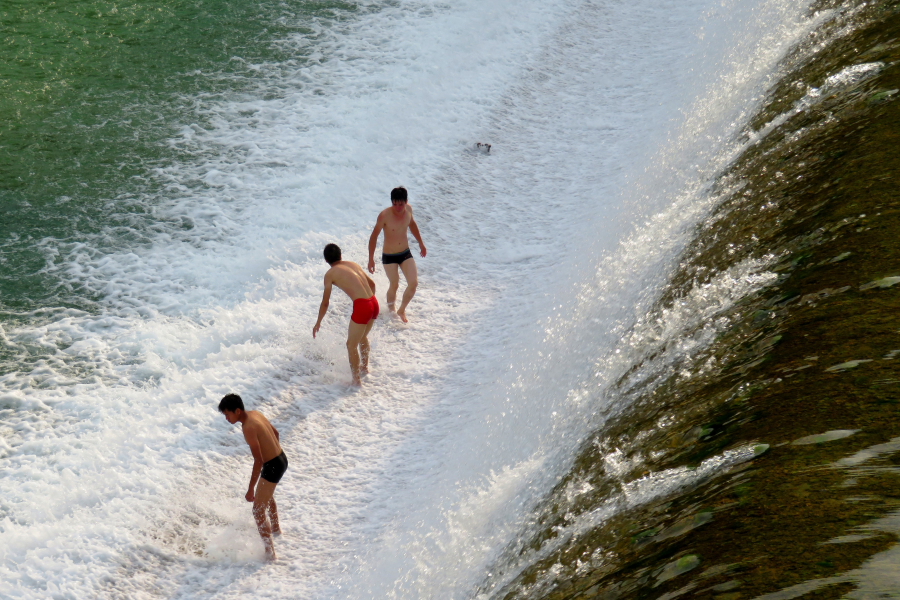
[90, 92]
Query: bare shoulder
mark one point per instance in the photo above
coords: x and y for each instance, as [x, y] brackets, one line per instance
[383, 215]
[261, 420]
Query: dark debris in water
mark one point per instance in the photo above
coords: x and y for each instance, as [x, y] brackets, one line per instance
[808, 366]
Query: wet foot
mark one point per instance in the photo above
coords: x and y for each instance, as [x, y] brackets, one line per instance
[276, 533]
[270, 550]
[402, 314]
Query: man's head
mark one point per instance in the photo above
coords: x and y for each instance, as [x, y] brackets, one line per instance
[232, 407]
[399, 198]
[332, 254]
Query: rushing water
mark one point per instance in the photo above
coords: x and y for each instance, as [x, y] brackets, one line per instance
[169, 173]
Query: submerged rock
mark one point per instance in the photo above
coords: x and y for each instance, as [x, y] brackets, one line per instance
[882, 283]
[821, 438]
[685, 525]
[678, 567]
[883, 96]
[844, 366]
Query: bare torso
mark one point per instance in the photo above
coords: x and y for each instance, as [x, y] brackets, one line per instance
[350, 277]
[395, 228]
[257, 426]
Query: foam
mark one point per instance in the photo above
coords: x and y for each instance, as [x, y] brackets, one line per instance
[121, 480]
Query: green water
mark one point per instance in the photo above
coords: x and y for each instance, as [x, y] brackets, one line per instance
[90, 90]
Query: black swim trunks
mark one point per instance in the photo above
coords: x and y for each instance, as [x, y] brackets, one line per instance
[395, 259]
[272, 470]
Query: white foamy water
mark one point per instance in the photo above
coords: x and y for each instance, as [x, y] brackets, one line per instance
[607, 120]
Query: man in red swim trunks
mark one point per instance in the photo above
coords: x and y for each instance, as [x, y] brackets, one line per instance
[351, 278]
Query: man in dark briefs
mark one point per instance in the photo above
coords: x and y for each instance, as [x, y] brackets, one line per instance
[269, 464]
[395, 254]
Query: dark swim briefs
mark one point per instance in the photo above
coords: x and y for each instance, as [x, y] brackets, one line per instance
[364, 310]
[272, 470]
[395, 259]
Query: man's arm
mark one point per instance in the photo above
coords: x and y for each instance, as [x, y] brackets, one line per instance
[323, 308]
[371, 282]
[252, 441]
[414, 229]
[373, 242]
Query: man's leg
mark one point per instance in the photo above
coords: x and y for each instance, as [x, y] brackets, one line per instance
[264, 491]
[412, 282]
[354, 336]
[273, 517]
[393, 274]
[364, 349]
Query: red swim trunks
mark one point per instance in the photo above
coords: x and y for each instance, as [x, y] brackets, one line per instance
[364, 310]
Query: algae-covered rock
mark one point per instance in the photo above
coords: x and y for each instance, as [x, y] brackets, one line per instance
[883, 283]
[882, 96]
[678, 567]
[727, 586]
[844, 366]
[821, 438]
[685, 525]
[841, 257]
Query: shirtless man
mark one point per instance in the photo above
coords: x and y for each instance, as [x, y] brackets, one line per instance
[395, 251]
[269, 464]
[350, 277]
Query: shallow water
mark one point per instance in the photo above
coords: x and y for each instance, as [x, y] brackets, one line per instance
[163, 248]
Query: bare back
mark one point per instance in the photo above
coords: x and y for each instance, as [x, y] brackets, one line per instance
[351, 278]
[258, 428]
[395, 228]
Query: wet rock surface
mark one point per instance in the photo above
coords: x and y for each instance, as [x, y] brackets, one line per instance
[805, 373]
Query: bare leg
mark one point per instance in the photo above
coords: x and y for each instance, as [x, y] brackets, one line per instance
[354, 336]
[412, 282]
[273, 517]
[364, 349]
[393, 274]
[264, 491]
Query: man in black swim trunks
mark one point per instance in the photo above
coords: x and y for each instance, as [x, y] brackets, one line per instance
[395, 221]
[269, 464]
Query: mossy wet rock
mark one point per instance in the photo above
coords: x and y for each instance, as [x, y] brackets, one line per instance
[846, 366]
[821, 438]
[677, 567]
[883, 283]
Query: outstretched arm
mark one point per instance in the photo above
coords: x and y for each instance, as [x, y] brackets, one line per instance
[323, 308]
[415, 231]
[373, 242]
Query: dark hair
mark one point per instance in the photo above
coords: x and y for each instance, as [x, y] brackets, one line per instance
[332, 253]
[231, 402]
[398, 193]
